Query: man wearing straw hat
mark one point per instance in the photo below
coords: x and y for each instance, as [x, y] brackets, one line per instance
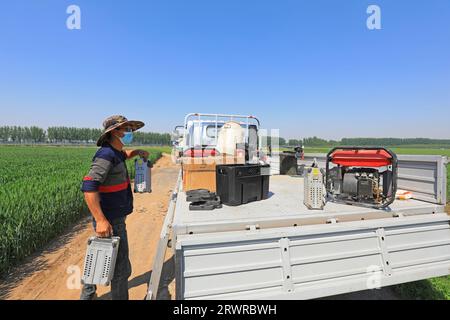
[107, 191]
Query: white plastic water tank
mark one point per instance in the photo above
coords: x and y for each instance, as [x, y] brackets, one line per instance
[230, 134]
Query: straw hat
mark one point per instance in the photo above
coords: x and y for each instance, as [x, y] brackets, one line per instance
[116, 121]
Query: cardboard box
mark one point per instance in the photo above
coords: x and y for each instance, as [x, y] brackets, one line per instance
[199, 176]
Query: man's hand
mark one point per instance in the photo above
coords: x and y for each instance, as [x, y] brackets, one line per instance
[144, 154]
[138, 152]
[103, 229]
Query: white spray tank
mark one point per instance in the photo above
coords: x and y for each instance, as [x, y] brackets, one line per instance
[230, 135]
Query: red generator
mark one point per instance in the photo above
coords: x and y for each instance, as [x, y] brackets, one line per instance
[365, 176]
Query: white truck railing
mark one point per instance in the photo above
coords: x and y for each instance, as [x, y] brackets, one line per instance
[216, 118]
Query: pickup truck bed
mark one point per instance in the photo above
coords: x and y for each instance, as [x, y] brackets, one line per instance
[284, 208]
[278, 249]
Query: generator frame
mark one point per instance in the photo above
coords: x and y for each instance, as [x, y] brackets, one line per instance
[394, 164]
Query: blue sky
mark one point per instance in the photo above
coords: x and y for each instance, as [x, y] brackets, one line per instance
[305, 67]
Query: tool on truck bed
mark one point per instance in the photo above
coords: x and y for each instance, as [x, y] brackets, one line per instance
[403, 195]
[200, 195]
[203, 199]
[205, 205]
[100, 260]
[365, 176]
[314, 192]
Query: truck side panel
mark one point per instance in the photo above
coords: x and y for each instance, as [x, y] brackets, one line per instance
[312, 261]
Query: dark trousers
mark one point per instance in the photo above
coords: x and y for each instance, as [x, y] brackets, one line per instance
[122, 271]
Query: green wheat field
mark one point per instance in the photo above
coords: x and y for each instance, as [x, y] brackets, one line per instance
[40, 195]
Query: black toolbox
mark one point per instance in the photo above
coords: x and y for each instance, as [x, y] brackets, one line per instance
[237, 184]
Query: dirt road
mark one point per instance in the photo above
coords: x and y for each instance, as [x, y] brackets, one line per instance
[54, 272]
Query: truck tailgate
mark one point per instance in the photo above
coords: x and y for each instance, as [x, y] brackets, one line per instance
[312, 261]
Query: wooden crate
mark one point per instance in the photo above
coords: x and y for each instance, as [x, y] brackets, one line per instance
[199, 176]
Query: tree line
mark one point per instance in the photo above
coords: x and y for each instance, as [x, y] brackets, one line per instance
[272, 141]
[71, 135]
[395, 141]
[387, 142]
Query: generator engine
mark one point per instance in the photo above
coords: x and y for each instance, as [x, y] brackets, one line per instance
[362, 176]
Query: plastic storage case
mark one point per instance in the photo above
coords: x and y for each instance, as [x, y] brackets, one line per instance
[143, 175]
[238, 184]
[100, 260]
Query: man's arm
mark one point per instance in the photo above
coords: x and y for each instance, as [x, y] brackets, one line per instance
[103, 227]
[100, 167]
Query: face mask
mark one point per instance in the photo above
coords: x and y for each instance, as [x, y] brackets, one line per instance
[127, 138]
